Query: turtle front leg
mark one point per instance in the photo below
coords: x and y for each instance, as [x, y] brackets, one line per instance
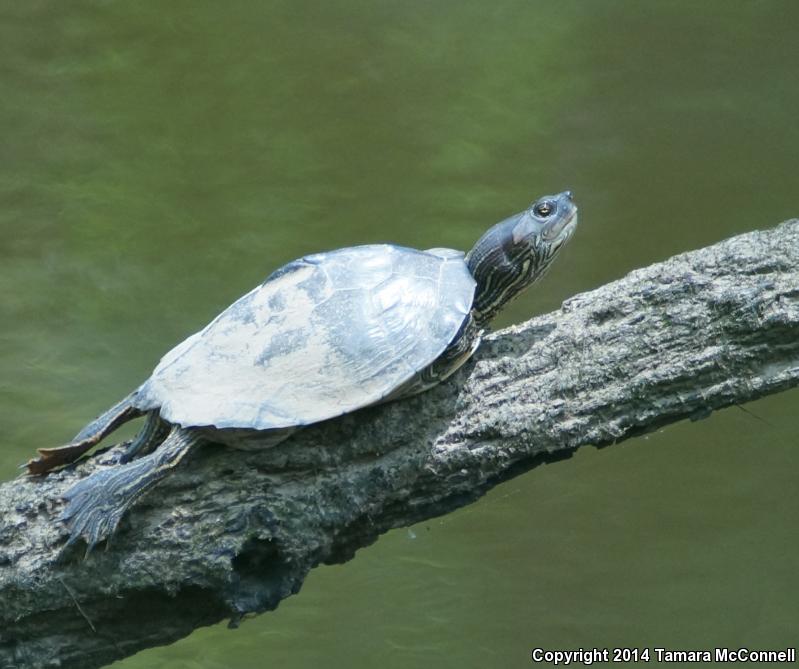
[96, 504]
[100, 427]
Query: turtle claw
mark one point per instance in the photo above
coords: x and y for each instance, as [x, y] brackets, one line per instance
[88, 515]
[96, 504]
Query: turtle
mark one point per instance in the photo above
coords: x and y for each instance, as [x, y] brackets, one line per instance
[322, 336]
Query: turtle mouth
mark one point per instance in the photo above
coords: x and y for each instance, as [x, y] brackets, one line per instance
[563, 228]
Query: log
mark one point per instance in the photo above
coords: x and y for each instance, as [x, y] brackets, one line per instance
[233, 533]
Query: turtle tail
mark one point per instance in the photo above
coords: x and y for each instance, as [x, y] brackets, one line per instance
[100, 427]
[96, 504]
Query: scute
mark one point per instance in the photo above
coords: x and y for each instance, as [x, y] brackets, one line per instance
[323, 335]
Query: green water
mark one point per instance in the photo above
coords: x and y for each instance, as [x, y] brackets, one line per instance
[157, 160]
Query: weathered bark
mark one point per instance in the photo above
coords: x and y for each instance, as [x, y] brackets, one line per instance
[233, 532]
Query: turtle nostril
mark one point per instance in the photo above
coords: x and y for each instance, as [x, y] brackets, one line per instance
[568, 194]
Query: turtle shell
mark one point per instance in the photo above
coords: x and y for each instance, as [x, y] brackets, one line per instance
[322, 336]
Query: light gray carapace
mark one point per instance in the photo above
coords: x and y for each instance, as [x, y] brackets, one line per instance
[324, 335]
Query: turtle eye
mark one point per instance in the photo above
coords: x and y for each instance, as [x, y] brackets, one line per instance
[543, 209]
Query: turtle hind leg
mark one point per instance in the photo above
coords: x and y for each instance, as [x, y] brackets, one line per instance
[103, 425]
[153, 432]
[96, 504]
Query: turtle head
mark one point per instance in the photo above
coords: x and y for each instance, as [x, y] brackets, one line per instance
[517, 251]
